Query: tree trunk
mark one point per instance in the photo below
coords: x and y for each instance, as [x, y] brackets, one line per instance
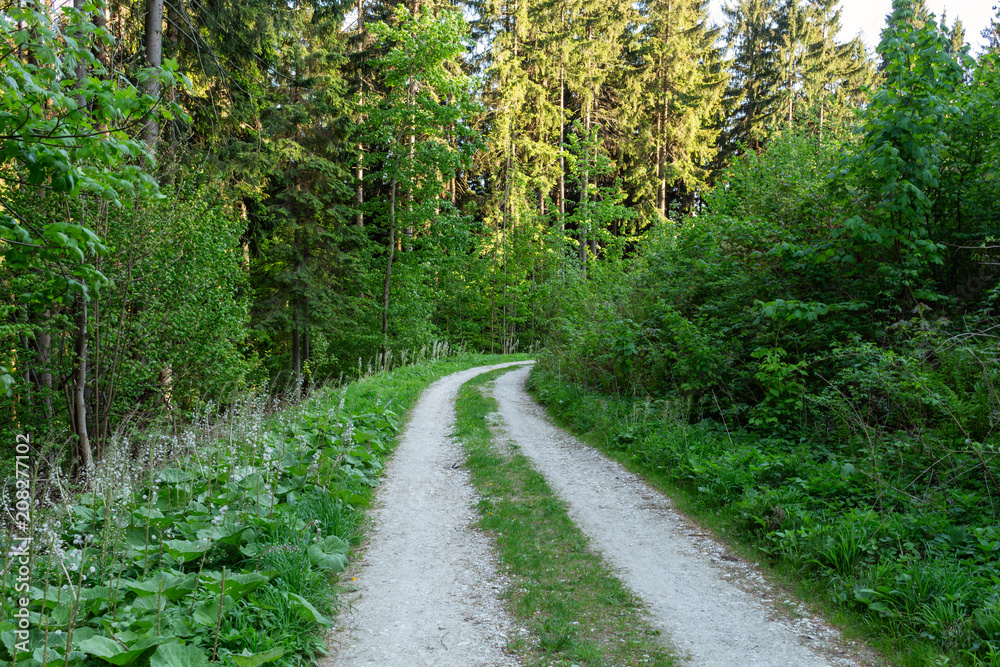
[79, 410]
[81, 68]
[584, 191]
[388, 272]
[43, 373]
[296, 356]
[154, 58]
[562, 132]
[359, 219]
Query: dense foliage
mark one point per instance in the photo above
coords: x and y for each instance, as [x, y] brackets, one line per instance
[755, 226]
[814, 356]
[215, 547]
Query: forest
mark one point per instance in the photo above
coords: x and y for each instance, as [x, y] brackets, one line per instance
[756, 259]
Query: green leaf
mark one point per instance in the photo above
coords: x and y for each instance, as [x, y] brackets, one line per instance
[306, 611]
[329, 554]
[187, 550]
[170, 586]
[178, 655]
[111, 651]
[207, 613]
[258, 659]
[237, 585]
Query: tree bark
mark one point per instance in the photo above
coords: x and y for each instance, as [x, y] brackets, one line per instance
[584, 191]
[154, 58]
[388, 272]
[562, 129]
[79, 410]
[359, 218]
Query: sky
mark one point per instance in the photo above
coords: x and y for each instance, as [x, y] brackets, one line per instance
[867, 17]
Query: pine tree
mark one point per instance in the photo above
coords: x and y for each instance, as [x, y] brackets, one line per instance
[836, 74]
[307, 202]
[794, 35]
[752, 99]
[676, 85]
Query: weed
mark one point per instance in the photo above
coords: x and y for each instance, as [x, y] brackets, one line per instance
[220, 543]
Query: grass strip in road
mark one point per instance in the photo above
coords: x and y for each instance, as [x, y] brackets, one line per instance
[575, 610]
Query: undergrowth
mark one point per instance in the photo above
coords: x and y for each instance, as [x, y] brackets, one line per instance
[219, 545]
[900, 532]
[577, 612]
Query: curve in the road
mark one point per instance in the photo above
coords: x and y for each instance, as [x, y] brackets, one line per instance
[693, 600]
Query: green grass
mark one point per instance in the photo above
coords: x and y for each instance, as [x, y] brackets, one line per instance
[576, 611]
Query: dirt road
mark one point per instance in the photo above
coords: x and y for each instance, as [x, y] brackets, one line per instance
[428, 587]
[714, 609]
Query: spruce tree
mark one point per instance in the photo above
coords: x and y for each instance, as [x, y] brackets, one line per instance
[836, 74]
[752, 99]
[675, 87]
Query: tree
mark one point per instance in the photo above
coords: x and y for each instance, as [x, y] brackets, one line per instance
[424, 99]
[67, 135]
[752, 100]
[836, 74]
[675, 87]
[898, 162]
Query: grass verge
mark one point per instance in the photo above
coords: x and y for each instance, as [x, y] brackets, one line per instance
[575, 610]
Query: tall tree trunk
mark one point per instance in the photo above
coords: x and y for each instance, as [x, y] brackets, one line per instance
[388, 272]
[359, 218]
[297, 310]
[296, 356]
[661, 176]
[79, 410]
[42, 374]
[585, 190]
[154, 58]
[562, 128]
[81, 68]
[409, 196]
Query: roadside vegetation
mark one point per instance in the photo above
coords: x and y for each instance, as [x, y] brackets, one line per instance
[814, 358]
[217, 545]
[575, 609]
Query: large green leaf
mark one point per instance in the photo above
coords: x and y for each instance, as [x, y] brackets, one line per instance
[111, 651]
[236, 585]
[306, 611]
[329, 554]
[170, 586]
[187, 550]
[258, 659]
[228, 533]
[178, 655]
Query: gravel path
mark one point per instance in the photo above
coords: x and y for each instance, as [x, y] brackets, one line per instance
[427, 584]
[715, 609]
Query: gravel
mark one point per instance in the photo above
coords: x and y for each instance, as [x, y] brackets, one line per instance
[714, 608]
[426, 589]
[427, 585]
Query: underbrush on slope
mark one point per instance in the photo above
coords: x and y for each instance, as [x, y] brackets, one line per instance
[898, 527]
[219, 546]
